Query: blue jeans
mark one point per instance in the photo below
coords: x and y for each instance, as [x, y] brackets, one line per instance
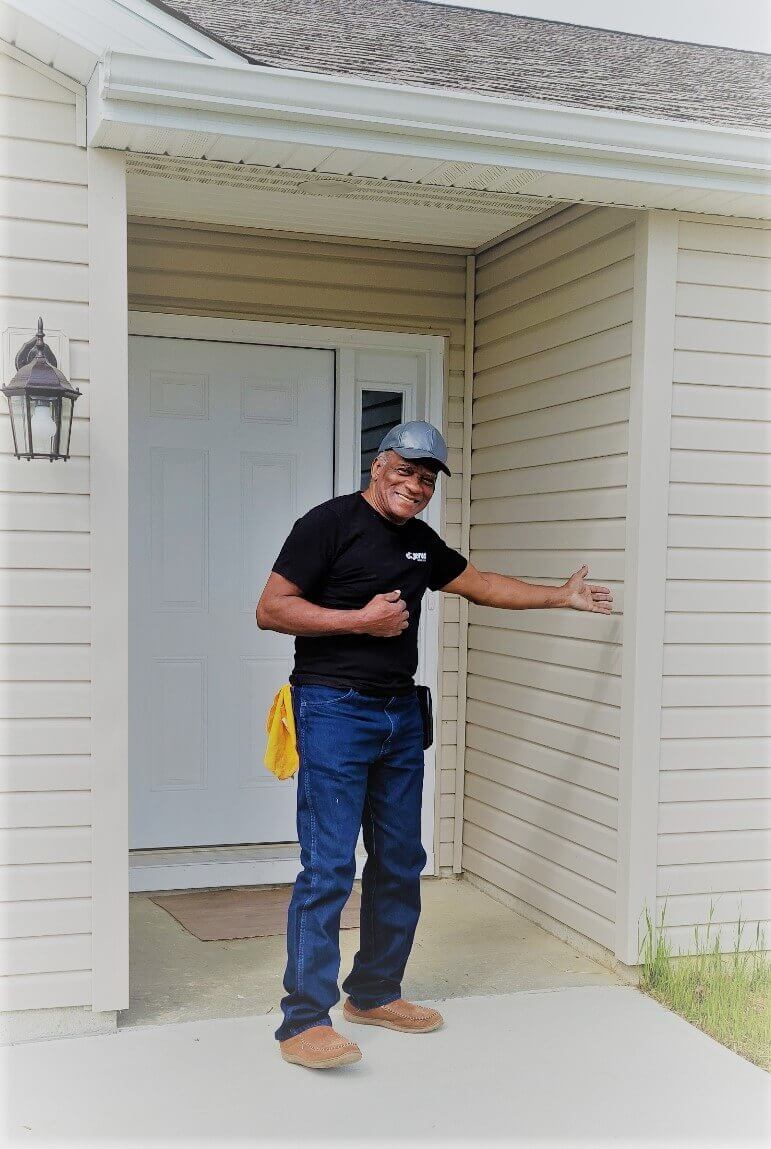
[361, 765]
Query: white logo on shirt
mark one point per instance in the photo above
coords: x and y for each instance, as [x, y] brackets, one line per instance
[418, 556]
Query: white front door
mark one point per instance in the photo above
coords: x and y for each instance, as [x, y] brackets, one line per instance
[229, 443]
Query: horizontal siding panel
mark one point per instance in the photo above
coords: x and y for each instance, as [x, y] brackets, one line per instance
[725, 270]
[558, 332]
[718, 785]
[592, 657]
[715, 690]
[690, 563]
[554, 763]
[45, 699]
[44, 549]
[547, 676]
[712, 499]
[47, 120]
[57, 242]
[539, 703]
[704, 816]
[731, 597]
[54, 203]
[71, 478]
[51, 844]
[524, 846]
[706, 301]
[24, 83]
[45, 736]
[681, 938]
[731, 629]
[45, 512]
[712, 878]
[547, 901]
[45, 808]
[41, 991]
[722, 336]
[694, 465]
[507, 289]
[576, 227]
[715, 402]
[716, 722]
[561, 301]
[54, 772]
[692, 434]
[723, 370]
[719, 533]
[566, 388]
[591, 442]
[494, 372]
[562, 505]
[720, 846]
[571, 476]
[557, 792]
[486, 835]
[725, 906]
[45, 624]
[592, 534]
[604, 566]
[603, 628]
[582, 743]
[43, 279]
[39, 662]
[744, 240]
[555, 420]
[714, 753]
[45, 588]
[42, 918]
[680, 658]
[45, 954]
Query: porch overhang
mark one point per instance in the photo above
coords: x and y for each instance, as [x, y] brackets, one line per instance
[181, 108]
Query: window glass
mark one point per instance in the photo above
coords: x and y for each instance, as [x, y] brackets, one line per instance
[380, 411]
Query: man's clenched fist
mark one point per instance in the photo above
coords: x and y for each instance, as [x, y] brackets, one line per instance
[384, 616]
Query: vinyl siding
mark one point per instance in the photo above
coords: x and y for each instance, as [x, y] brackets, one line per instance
[716, 719]
[45, 768]
[243, 274]
[548, 487]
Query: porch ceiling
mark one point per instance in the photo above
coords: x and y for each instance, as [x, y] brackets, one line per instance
[333, 191]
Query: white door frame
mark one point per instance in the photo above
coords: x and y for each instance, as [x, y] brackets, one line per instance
[213, 868]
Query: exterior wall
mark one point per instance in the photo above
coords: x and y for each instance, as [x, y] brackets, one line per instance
[553, 336]
[45, 773]
[191, 270]
[715, 746]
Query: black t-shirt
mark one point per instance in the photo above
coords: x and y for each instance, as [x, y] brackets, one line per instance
[341, 554]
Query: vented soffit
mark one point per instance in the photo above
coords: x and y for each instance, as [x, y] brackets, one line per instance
[461, 187]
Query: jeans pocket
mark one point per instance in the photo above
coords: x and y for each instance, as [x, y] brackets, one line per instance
[323, 697]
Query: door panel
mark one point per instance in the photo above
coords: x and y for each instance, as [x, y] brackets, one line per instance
[229, 443]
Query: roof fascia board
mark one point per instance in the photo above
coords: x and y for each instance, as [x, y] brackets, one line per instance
[244, 100]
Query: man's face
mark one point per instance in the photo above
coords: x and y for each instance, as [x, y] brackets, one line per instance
[403, 487]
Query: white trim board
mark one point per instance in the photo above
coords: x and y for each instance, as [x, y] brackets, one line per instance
[650, 409]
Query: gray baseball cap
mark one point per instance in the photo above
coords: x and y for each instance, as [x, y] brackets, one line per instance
[416, 440]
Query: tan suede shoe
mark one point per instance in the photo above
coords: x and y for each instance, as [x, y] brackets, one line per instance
[401, 1015]
[319, 1047]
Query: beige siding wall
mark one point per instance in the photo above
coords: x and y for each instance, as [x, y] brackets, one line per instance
[716, 719]
[551, 401]
[250, 275]
[45, 837]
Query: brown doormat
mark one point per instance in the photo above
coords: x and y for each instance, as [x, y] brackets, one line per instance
[226, 915]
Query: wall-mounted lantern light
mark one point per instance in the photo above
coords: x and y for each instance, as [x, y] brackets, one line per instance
[40, 400]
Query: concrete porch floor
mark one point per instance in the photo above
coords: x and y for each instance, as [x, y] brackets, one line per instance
[467, 944]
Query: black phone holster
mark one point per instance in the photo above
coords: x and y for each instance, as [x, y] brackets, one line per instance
[427, 714]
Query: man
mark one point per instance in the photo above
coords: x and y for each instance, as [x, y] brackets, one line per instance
[348, 583]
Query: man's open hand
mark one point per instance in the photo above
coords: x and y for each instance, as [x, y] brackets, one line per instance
[384, 616]
[581, 595]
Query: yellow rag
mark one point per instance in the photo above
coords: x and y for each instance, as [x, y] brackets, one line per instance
[281, 755]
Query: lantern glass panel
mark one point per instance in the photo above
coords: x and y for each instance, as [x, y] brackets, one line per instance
[44, 429]
[64, 437]
[20, 427]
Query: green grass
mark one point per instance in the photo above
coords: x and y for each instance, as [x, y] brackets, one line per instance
[726, 995]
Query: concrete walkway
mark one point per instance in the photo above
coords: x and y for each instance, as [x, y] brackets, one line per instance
[592, 1064]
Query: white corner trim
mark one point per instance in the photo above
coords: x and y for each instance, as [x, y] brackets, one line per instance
[108, 357]
[469, 336]
[258, 102]
[653, 326]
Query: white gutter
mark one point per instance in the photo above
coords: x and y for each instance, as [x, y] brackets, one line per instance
[255, 102]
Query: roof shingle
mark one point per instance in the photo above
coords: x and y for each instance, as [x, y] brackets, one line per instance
[417, 43]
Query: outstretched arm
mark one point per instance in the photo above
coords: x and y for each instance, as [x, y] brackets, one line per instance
[485, 588]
